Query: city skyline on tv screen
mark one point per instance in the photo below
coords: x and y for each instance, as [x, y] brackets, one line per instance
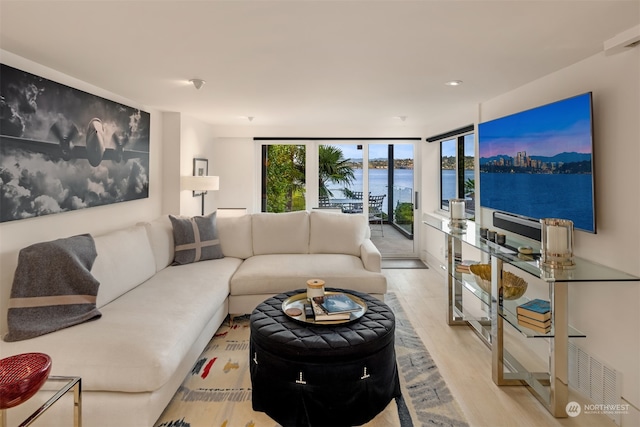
[538, 163]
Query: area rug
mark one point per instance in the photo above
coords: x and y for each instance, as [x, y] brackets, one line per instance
[217, 392]
[390, 263]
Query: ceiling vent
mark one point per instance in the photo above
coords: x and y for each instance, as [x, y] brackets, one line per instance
[633, 44]
[625, 40]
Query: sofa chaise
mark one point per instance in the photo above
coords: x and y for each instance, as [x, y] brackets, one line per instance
[156, 318]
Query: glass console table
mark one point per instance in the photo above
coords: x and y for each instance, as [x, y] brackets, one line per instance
[59, 386]
[551, 388]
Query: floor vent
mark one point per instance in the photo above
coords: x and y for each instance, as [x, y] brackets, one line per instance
[594, 380]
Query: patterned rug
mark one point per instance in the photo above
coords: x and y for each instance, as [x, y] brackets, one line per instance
[217, 392]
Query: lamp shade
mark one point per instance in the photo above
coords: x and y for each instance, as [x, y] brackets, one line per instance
[200, 183]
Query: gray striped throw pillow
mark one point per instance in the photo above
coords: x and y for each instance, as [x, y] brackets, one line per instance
[196, 239]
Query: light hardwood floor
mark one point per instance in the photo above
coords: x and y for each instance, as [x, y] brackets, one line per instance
[465, 362]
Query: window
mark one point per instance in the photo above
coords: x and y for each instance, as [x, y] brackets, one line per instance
[457, 160]
[283, 178]
[448, 172]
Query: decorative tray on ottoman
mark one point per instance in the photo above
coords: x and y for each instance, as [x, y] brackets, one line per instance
[298, 301]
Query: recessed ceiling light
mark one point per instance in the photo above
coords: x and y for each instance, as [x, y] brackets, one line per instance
[454, 83]
[197, 83]
[403, 118]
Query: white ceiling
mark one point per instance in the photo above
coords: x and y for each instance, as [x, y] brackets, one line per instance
[311, 63]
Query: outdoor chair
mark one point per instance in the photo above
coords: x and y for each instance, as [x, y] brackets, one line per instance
[354, 208]
[323, 202]
[375, 210]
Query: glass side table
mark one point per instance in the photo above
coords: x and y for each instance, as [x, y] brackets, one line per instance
[59, 386]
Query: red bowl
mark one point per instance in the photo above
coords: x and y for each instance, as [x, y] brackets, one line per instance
[21, 376]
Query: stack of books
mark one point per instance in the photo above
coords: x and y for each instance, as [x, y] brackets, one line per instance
[333, 307]
[535, 315]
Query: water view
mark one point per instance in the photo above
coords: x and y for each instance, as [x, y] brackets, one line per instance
[449, 184]
[513, 195]
[378, 185]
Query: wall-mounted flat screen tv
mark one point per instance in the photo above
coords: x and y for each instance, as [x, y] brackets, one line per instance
[538, 163]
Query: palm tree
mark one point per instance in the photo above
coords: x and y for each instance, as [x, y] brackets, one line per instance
[469, 187]
[333, 168]
[285, 175]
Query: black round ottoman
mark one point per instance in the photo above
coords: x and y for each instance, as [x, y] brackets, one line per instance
[322, 375]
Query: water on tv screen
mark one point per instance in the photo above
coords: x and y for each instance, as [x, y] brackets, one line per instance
[538, 163]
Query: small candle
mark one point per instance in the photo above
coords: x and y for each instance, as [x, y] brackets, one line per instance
[315, 288]
[557, 241]
[456, 209]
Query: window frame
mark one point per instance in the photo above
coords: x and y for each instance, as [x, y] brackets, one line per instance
[459, 136]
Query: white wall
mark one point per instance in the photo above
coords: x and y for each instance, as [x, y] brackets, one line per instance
[196, 141]
[236, 161]
[15, 235]
[171, 125]
[609, 313]
[186, 138]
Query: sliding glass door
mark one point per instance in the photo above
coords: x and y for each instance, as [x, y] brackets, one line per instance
[340, 176]
[374, 178]
[391, 191]
[403, 188]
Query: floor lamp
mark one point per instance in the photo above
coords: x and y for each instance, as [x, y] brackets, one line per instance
[200, 183]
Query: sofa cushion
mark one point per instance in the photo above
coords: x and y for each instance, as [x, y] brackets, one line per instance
[124, 260]
[142, 336]
[196, 239]
[160, 233]
[275, 273]
[336, 233]
[280, 233]
[235, 236]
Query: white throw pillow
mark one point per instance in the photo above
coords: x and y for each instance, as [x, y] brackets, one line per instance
[235, 236]
[160, 234]
[337, 233]
[124, 260]
[281, 233]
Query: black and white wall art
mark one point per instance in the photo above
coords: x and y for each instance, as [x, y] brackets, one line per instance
[63, 149]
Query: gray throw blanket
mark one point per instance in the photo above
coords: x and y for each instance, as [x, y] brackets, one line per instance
[53, 287]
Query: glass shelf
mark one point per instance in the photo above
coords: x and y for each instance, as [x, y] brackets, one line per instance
[508, 312]
[551, 387]
[583, 271]
[469, 283]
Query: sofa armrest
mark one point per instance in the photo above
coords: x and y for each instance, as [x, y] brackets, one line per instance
[371, 257]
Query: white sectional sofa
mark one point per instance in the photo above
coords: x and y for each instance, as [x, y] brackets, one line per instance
[157, 318]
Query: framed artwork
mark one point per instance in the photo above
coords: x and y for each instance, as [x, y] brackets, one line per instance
[62, 149]
[200, 168]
